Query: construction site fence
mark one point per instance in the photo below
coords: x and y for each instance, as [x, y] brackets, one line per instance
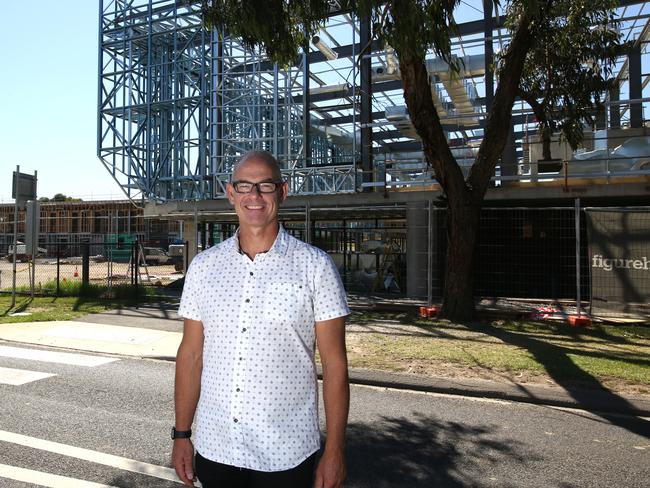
[595, 260]
[588, 258]
[114, 270]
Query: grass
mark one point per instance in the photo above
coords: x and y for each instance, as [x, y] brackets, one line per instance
[52, 308]
[538, 351]
[74, 300]
[74, 288]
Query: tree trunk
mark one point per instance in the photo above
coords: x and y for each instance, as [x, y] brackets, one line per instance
[465, 198]
[458, 293]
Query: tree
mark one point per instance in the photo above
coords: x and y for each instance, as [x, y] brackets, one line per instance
[568, 68]
[412, 27]
[60, 197]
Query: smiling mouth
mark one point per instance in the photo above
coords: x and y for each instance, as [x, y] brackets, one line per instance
[254, 207]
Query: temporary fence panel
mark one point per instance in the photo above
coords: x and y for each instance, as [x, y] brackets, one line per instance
[619, 259]
[108, 230]
[369, 253]
[160, 267]
[59, 269]
[520, 253]
[528, 253]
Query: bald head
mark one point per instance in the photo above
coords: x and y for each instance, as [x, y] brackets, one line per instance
[259, 156]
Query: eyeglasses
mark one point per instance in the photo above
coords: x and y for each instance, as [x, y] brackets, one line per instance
[262, 186]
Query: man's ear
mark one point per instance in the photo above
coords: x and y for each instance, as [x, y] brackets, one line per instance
[230, 193]
[284, 191]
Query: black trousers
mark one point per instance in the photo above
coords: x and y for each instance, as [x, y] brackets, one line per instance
[216, 475]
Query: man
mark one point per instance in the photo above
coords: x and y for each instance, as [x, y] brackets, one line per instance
[253, 307]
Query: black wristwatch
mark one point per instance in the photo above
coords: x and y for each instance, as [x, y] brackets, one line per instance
[181, 434]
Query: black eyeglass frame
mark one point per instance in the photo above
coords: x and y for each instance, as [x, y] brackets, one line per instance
[277, 184]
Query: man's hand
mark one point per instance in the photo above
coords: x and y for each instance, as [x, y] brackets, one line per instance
[331, 471]
[182, 459]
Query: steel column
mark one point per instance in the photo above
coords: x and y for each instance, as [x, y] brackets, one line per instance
[365, 95]
[636, 89]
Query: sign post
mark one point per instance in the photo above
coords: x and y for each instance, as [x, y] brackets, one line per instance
[15, 240]
[23, 189]
[32, 224]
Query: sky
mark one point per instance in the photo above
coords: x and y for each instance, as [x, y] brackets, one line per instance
[48, 98]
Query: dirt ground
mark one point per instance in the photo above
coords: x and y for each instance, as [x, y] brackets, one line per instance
[46, 271]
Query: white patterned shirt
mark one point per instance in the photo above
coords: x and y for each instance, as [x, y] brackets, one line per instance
[258, 406]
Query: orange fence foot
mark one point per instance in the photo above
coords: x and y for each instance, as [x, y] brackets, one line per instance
[578, 321]
[429, 312]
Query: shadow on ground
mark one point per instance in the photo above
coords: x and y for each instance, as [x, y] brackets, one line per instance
[20, 306]
[146, 307]
[135, 481]
[424, 452]
[559, 365]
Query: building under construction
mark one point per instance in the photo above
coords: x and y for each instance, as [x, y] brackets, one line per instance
[178, 104]
[70, 223]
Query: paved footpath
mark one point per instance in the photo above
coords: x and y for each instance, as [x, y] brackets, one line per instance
[155, 332]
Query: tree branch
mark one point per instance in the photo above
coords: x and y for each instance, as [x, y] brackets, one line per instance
[499, 119]
[423, 114]
[542, 119]
[537, 107]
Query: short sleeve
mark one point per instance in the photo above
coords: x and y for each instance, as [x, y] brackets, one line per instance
[190, 299]
[330, 300]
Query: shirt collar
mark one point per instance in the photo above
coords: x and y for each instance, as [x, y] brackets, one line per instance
[279, 246]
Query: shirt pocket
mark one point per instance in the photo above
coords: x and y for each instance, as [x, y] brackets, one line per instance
[286, 302]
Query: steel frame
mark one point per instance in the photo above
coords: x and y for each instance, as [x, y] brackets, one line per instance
[255, 107]
[153, 98]
[177, 105]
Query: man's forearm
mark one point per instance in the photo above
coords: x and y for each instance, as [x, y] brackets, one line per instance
[187, 387]
[336, 397]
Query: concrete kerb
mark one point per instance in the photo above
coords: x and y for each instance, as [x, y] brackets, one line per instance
[588, 400]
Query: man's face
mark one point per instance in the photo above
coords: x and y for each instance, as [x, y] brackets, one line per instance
[256, 209]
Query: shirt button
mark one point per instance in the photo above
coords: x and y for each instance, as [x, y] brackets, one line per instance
[235, 420]
[247, 300]
[240, 358]
[237, 390]
[251, 273]
[244, 329]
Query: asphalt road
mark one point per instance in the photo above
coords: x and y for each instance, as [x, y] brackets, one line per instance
[124, 408]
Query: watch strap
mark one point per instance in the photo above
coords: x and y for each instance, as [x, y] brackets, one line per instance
[181, 434]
